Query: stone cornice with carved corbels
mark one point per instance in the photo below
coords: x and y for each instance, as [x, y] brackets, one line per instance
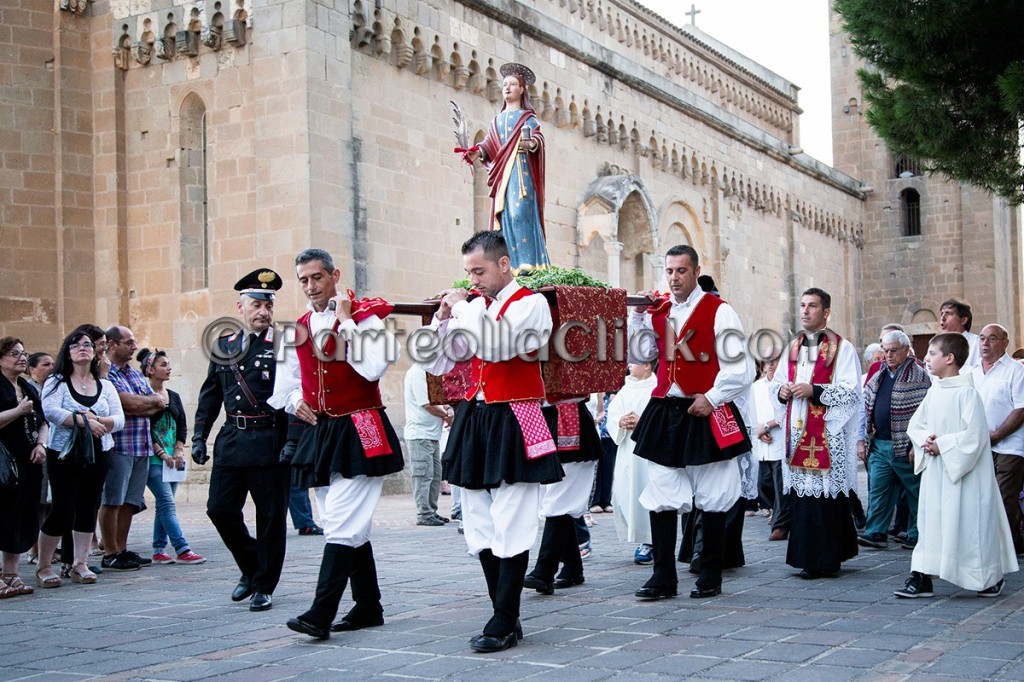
[387, 36]
[177, 32]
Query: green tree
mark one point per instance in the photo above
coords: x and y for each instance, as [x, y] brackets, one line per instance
[945, 83]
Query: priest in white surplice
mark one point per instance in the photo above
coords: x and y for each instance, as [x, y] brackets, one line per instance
[817, 390]
[964, 536]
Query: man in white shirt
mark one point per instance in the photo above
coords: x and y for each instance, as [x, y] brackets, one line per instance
[769, 450]
[1000, 382]
[500, 450]
[423, 425]
[330, 381]
[956, 317]
[691, 429]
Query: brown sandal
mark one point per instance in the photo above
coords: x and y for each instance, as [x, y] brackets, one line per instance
[14, 582]
[47, 581]
[87, 578]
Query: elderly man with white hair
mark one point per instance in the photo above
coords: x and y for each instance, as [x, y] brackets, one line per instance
[891, 397]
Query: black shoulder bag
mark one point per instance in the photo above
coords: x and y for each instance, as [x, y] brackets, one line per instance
[79, 449]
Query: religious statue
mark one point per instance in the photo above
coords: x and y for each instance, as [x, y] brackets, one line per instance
[513, 153]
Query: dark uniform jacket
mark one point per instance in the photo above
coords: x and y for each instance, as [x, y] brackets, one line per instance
[252, 435]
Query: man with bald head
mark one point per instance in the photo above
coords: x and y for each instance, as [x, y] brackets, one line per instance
[1000, 381]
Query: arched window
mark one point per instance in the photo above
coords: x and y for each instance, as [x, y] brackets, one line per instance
[195, 252]
[906, 167]
[910, 212]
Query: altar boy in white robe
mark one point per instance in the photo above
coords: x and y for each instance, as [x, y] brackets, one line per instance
[632, 520]
[964, 537]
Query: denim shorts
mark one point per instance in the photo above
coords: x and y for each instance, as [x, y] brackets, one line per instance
[126, 481]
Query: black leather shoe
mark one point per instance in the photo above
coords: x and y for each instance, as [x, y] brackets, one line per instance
[261, 601]
[703, 593]
[653, 593]
[487, 644]
[562, 583]
[307, 628]
[809, 574]
[346, 625]
[532, 582]
[243, 590]
[518, 633]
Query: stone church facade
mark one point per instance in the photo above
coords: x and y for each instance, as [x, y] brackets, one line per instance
[153, 151]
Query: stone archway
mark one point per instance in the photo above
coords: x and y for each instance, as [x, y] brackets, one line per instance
[680, 225]
[619, 210]
[922, 327]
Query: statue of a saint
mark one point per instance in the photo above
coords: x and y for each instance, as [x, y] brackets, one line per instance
[513, 153]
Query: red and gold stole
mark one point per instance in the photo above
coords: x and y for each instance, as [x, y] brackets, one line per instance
[811, 452]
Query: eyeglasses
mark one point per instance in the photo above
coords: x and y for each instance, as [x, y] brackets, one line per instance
[17, 354]
[85, 345]
[894, 351]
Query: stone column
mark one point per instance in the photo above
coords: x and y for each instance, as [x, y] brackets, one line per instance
[614, 251]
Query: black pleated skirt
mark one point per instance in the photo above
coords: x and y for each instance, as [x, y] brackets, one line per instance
[486, 448]
[667, 435]
[822, 534]
[333, 447]
[590, 449]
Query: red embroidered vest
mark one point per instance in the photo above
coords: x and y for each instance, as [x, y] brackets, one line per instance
[513, 379]
[333, 387]
[696, 375]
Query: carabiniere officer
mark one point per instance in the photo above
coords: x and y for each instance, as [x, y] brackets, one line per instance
[247, 450]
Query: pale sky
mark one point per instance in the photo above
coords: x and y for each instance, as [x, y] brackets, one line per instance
[789, 38]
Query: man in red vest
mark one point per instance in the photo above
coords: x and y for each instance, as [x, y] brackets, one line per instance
[691, 429]
[500, 448]
[329, 381]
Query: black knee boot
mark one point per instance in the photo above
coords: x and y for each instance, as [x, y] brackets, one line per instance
[663, 539]
[543, 574]
[572, 564]
[367, 610]
[335, 569]
[491, 566]
[511, 573]
[713, 552]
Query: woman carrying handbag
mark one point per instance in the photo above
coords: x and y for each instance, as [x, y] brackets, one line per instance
[74, 396]
[22, 432]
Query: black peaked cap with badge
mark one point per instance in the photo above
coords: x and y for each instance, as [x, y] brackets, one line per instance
[239, 382]
[261, 284]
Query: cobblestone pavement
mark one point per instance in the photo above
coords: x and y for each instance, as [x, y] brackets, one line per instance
[176, 622]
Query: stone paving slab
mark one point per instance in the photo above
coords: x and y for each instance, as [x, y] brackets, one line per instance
[177, 623]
